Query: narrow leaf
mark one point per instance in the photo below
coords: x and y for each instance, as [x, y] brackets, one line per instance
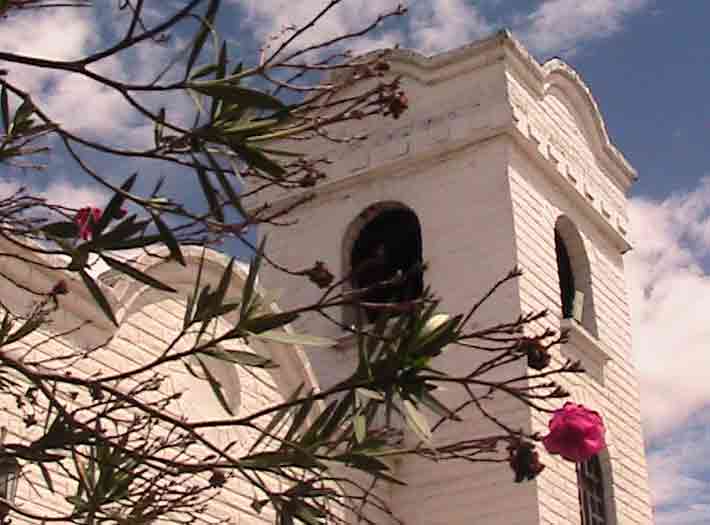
[5, 109]
[159, 127]
[250, 283]
[234, 94]
[242, 358]
[169, 239]
[258, 325]
[277, 418]
[294, 339]
[209, 192]
[113, 208]
[98, 296]
[202, 35]
[417, 421]
[61, 230]
[234, 199]
[360, 426]
[256, 159]
[216, 387]
[136, 274]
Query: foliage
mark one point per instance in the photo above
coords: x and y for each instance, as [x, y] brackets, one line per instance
[114, 436]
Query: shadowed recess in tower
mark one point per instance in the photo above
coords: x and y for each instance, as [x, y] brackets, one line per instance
[388, 248]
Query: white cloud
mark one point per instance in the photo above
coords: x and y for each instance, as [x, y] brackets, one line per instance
[432, 26]
[671, 298]
[678, 470]
[439, 25]
[77, 103]
[560, 26]
[267, 18]
[59, 192]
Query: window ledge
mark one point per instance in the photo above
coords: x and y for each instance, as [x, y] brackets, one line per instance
[583, 346]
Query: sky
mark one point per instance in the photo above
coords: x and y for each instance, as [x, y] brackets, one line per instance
[647, 63]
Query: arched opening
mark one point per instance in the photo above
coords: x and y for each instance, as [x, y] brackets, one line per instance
[574, 274]
[566, 277]
[595, 492]
[387, 246]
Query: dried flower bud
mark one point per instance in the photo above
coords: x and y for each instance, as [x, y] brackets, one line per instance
[397, 105]
[538, 356]
[320, 275]
[382, 66]
[60, 288]
[524, 460]
[218, 479]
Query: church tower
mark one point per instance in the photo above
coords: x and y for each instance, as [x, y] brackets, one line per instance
[499, 162]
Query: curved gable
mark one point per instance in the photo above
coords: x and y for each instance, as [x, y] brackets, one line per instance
[564, 84]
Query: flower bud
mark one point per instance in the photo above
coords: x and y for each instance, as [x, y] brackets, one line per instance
[434, 323]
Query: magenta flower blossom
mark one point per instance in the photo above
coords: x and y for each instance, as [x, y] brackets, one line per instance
[88, 217]
[576, 433]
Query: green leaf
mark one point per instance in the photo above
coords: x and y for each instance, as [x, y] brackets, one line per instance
[417, 421]
[209, 191]
[127, 244]
[310, 437]
[98, 296]
[216, 387]
[189, 307]
[294, 339]
[46, 475]
[250, 283]
[363, 462]
[258, 325]
[360, 425]
[136, 274]
[121, 232]
[22, 115]
[256, 159]
[204, 71]
[277, 417]
[5, 327]
[234, 94]
[222, 61]
[113, 208]
[202, 35]
[336, 421]
[300, 417]
[234, 199]
[370, 394]
[61, 230]
[169, 239]
[242, 358]
[224, 282]
[267, 460]
[5, 109]
[159, 127]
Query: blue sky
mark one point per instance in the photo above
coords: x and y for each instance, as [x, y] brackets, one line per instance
[648, 65]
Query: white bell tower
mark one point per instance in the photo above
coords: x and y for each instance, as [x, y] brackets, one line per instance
[499, 162]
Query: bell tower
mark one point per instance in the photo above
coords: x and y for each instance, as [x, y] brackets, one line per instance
[499, 162]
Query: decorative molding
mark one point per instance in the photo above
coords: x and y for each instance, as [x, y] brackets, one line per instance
[585, 347]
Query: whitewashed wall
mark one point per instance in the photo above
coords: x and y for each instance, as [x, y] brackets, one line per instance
[492, 150]
[148, 321]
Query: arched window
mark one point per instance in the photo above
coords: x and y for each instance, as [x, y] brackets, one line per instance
[566, 276]
[575, 278]
[388, 244]
[592, 497]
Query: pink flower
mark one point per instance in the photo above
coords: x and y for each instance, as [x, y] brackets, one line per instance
[576, 433]
[86, 218]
